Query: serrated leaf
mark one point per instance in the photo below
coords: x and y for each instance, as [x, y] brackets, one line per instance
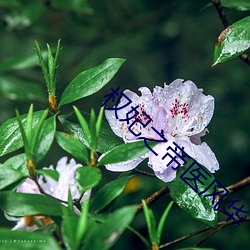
[108, 193]
[73, 146]
[107, 138]
[19, 90]
[20, 204]
[16, 240]
[198, 206]
[241, 5]
[87, 177]
[233, 41]
[9, 176]
[125, 152]
[90, 81]
[10, 136]
[110, 230]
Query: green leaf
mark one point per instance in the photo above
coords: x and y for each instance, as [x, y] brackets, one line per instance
[9, 176]
[74, 228]
[105, 235]
[84, 125]
[198, 206]
[87, 177]
[19, 90]
[107, 139]
[82, 223]
[162, 221]
[37, 131]
[16, 240]
[53, 174]
[69, 230]
[92, 127]
[10, 136]
[108, 193]
[126, 152]
[241, 5]
[151, 223]
[46, 137]
[90, 81]
[73, 146]
[233, 41]
[20, 204]
[18, 162]
[99, 123]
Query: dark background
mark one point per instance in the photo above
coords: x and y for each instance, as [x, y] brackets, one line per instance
[161, 41]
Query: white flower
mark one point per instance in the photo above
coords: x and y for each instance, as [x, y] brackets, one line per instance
[181, 111]
[58, 189]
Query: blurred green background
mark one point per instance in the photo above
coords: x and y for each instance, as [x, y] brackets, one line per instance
[162, 41]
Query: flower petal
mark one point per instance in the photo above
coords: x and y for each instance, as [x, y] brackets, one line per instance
[159, 165]
[201, 153]
[29, 187]
[189, 110]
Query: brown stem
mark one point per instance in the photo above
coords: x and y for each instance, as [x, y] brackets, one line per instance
[220, 226]
[152, 198]
[238, 185]
[226, 23]
[144, 173]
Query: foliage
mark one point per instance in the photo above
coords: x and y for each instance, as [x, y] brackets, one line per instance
[98, 217]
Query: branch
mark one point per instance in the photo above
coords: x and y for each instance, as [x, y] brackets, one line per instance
[152, 198]
[144, 173]
[238, 185]
[220, 226]
[226, 23]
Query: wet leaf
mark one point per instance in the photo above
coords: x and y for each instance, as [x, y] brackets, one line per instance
[90, 81]
[9, 176]
[198, 206]
[10, 135]
[108, 193]
[126, 152]
[73, 146]
[46, 137]
[107, 138]
[20, 204]
[233, 41]
[87, 177]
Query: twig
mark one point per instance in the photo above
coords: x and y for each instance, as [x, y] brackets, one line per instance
[221, 226]
[42, 192]
[238, 185]
[152, 198]
[144, 173]
[226, 23]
